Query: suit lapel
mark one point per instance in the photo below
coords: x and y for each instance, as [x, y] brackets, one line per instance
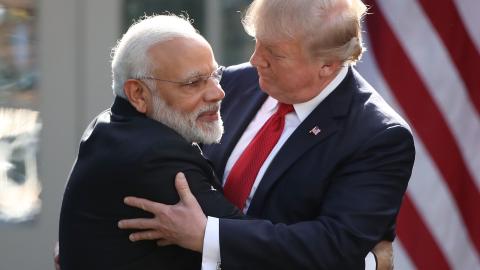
[324, 121]
[248, 103]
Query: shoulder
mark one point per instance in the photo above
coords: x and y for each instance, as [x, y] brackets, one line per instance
[102, 118]
[372, 109]
[133, 138]
[240, 69]
[368, 118]
[161, 144]
[161, 140]
[239, 75]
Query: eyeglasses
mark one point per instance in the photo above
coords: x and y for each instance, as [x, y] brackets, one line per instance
[216, 75]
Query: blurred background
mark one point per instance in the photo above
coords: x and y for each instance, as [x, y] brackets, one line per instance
[422, 56]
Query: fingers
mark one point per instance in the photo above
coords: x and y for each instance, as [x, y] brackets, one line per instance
[144, 204]
[164, 242]
[137, 223]
[182, 187]
[145, 235]
[384, 253]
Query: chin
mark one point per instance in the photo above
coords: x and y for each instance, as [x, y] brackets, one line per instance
[268, 87]
[264, 85]
[269, 90]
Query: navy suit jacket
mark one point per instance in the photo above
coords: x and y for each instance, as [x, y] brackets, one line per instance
[124, 153]
[326, 199]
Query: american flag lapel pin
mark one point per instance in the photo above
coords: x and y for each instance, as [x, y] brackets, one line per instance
[315, 130]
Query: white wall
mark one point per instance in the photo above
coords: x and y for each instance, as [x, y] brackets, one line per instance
[75, 37]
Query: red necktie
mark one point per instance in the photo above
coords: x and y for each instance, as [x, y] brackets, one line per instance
[245, 170]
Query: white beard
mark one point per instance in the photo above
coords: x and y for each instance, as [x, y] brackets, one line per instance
[186, 123]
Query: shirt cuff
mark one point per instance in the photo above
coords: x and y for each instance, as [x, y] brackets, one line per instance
[370, 262]
[211, 245]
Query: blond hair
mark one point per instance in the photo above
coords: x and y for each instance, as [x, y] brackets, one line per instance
[328, 29]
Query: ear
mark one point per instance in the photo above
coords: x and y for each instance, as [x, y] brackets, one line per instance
[329, 68]
[137, 94]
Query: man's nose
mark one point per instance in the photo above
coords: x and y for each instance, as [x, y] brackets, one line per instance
[257, 59]
[215, 93]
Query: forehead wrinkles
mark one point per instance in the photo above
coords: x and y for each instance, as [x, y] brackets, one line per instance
[193, 73]
[190, 74]
[183, 58]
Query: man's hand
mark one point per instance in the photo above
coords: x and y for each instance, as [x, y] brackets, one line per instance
[182, 224]
[384, 253]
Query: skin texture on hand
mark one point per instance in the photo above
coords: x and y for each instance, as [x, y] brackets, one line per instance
[184, 224]
[181, 224]
[384, 253]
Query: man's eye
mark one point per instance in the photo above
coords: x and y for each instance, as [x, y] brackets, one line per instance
[194, 83]
[276, 55]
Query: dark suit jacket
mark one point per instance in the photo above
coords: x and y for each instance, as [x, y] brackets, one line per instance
[327, 198]
[123, 153]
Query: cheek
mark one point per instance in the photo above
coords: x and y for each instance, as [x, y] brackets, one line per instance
[277, 75]
[180, 100]
[299, 78]
[188, 103]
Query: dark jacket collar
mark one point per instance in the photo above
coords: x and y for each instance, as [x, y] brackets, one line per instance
[123, 107]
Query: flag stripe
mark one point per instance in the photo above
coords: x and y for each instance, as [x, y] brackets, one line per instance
[400, 257]
[429, 192]
[433, 64]
[424, 70]
[422, 249]
[468, 10]
[444, 16]
[427, 189]
[425, 117]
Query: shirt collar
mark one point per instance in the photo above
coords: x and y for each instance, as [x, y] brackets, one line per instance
[304, 109]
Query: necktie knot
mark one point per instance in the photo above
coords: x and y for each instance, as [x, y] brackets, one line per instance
[284, 109]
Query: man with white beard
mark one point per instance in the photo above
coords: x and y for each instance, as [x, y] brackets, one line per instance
[166, 83]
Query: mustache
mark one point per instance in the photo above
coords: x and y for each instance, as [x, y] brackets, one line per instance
[209, 108]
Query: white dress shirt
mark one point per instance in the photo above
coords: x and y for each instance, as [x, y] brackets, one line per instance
[211, 243]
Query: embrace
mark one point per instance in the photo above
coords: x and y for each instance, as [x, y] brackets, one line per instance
[291, 161]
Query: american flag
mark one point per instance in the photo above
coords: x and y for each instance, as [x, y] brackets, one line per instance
[424, 56]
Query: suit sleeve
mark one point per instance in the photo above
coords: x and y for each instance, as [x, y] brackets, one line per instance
[358, 209]
[211, 200]
[158, 181]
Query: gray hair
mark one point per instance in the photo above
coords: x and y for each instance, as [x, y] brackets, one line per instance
[129, 56]
[328, 29]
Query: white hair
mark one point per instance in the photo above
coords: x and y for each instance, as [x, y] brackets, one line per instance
[328, 29]
[186, 124]
[129, 56]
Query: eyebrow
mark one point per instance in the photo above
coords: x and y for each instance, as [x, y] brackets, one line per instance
[191, 75]
[274, 48]
[196, 74]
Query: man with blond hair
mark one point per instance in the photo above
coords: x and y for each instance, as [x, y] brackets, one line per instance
[309, 147]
